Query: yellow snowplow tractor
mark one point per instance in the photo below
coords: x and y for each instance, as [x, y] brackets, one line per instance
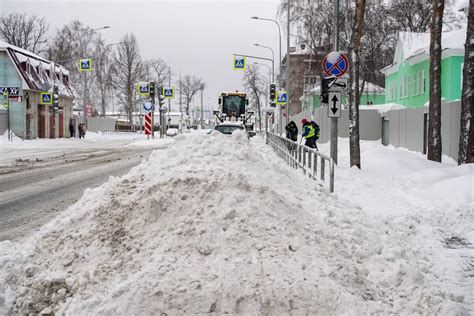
[233, 107]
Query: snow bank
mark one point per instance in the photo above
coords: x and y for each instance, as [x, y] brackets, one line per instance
[218, 224]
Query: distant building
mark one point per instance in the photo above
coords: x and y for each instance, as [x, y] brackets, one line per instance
[407, 78]
[26, 75]
[305, 73]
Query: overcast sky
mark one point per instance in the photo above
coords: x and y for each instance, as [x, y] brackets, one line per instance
[194, 37]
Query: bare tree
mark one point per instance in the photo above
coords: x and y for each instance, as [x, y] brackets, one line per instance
[190, 85]
[415, 15]
[27, 32]
[129, 69]
[434, 127]
[466, 138]
[72, 42]
[255, 83]
[104, 73]
[158, 70]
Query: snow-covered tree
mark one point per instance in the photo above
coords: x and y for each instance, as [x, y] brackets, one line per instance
[466, 139]
[255, 84]
[27, 32]
[130, 69]
[434, 127]
[189, 86]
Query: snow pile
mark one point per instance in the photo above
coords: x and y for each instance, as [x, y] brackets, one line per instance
[215, 224]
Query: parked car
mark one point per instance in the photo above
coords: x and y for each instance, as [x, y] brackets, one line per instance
[171, 132]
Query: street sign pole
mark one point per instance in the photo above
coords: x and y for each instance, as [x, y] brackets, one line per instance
[334, 127]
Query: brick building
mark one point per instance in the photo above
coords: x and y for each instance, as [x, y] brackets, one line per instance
[25, 76]
[305, 73]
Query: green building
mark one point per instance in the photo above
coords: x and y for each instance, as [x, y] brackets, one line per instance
[407, 78]
[371, 95]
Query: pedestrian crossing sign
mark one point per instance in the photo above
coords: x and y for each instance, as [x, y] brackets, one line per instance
[143, 89]
[239, 63]
[46, 98]
[85, 64]
[282, 97]
[168, 92]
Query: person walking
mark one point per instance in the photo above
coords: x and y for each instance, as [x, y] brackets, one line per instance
[71, 129]
[292, 131]
[309, 134]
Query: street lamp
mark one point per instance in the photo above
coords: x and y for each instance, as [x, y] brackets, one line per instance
[279, 32]
[273, 58]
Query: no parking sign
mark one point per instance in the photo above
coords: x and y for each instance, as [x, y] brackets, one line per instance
[335, 64]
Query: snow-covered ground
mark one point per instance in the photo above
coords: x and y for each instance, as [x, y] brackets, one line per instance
[215, 224]
[46, 148]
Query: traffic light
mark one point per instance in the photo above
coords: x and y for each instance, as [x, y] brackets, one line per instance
[161, 99]
[5, 99]
[55, 98]
[272, 92]
[324, 98]
[152, 89]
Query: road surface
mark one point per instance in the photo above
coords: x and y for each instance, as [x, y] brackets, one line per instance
[34, 190]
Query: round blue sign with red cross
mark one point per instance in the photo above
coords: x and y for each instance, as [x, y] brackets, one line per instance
[335, 64]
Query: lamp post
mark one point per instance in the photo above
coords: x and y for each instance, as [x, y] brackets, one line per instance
[273, 59]
[279, 33]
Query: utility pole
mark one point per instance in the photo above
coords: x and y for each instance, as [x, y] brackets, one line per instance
[180, 107]
[169, 100]
[333, 145]
[202, 109]
[288, 93]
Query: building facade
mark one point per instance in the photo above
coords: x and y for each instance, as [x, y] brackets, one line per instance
[25, 76]
[407, 78]
[305, 73]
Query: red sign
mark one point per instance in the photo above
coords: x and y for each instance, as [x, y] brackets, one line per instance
[148, 123]
[89, 110]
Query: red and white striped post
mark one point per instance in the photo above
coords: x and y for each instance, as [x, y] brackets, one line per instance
[148, 124]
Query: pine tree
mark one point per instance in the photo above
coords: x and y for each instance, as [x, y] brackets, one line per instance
[434, 127]
[466, 138]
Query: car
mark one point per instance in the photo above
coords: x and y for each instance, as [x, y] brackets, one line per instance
[171, 132]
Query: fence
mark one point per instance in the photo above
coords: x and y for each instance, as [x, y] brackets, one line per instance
[303, 157]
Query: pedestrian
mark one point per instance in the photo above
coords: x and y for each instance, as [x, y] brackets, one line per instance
[292, 131]
[83, 128]
[71, 129]
[309, 134]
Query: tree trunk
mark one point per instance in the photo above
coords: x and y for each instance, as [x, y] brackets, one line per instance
[435, 148]
[354, 137]
[466, 137]
[103, 104]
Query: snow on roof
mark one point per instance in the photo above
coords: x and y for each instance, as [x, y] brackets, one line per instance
[411, 43]
[368, 87]
[4, 46]
[382, 108]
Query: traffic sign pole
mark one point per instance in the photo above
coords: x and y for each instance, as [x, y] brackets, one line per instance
[334, 120]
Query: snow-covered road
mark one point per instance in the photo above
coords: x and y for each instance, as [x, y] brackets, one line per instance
[215, 224]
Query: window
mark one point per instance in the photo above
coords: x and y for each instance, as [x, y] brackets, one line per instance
[408, 87]
[416, 84]
[423, 82]
[403, 87]
[413, 85]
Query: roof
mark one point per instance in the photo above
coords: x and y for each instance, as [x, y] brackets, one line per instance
[36, 71]
[368, 87]
[411, 45]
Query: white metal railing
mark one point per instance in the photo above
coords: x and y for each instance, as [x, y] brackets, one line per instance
[303, 157]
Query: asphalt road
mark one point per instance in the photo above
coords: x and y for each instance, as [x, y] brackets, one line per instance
[33, 191]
